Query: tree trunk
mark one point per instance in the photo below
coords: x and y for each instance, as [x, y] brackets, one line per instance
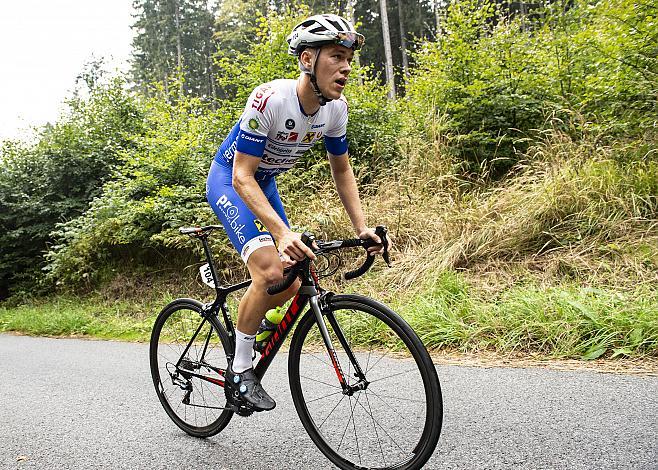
[352, 17]
[390, 78]
[437, 13]
[179, 50]
[403, 42]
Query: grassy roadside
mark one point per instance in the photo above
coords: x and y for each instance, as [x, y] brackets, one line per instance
[565, 321]
[85, 316]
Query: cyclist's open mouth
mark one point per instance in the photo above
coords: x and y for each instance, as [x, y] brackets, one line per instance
[341, 83]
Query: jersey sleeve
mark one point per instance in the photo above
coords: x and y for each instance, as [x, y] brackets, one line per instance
[256, 121]
[335, 138]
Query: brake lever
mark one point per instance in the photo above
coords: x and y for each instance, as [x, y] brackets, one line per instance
[381, 232]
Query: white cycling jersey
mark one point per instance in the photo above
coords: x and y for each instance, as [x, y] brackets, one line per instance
[275, 128]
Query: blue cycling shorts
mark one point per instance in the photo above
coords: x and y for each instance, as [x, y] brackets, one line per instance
[243, 228]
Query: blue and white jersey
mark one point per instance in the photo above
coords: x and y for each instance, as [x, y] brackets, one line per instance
[274, 128]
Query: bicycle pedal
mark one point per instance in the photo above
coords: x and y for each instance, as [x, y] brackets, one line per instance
[240, 409]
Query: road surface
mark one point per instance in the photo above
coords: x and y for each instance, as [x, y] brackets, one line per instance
[68, 403]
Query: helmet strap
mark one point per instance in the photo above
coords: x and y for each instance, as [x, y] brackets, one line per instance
[314, 81]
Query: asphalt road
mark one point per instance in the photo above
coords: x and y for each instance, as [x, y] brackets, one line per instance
[68, 403]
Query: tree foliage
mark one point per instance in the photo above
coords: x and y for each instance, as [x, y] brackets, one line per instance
[54, 180]
[490, 86]
[174, 39]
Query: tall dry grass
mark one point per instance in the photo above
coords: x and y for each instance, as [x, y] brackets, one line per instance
[572, 209]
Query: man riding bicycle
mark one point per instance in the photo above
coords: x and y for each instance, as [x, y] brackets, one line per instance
[281, 120]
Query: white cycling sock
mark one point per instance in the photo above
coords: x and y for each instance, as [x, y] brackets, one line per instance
[244, 346]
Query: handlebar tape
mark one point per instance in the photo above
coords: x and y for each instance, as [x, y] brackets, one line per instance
[361, 270]
[287, 281]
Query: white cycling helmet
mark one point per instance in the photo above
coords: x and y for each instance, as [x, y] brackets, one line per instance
[320, 30]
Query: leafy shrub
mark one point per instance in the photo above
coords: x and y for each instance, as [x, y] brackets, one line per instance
[54, 180]
[158, 188]
[491, 86]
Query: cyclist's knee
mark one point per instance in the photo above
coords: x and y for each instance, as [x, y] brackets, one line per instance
[265, 267]
[268, 276]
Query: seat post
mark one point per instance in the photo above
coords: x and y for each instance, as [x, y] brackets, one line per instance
[211, 263]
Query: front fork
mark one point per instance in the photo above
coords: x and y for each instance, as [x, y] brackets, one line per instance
[320, 308]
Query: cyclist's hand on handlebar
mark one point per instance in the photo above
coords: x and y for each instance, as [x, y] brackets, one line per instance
[292, 248]
[370, 233]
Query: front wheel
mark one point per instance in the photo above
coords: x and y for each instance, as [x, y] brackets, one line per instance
[188, 360]
[388, 418]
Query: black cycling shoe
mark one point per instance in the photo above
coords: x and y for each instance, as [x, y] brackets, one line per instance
[245, 389]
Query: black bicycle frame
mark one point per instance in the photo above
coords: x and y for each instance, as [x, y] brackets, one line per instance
[309, 291]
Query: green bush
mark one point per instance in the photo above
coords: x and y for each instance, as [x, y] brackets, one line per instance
[54, 180]
[159, 187]
[489, 84]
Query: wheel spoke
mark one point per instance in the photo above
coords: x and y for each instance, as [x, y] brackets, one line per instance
[389, 436]
[323, 397]
[348, 420]
[332, 410]
[394, 375]
[374, 427]
[321, 382]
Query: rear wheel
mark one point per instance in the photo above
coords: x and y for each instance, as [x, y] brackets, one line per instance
[390, 420]
[189, 375]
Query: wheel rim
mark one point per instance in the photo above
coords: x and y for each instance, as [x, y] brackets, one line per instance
[386, 424]
[193, 403]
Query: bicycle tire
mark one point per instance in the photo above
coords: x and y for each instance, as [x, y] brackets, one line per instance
[422, 416]
[172, 331]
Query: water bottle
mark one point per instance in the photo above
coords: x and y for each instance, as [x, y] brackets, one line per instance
[268, 325]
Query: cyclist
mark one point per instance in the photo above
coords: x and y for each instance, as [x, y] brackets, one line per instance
[281, 120]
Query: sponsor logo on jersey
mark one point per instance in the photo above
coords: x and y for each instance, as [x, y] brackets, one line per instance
[250, 138]
[275, 148]
[260, 226]
[253, 123]
[230, 152]
[270, 160]
[317, 126]
[232, 214]
[318, 135]
[293, 137]
[280, 135]
[260, 100]
[308, 138]
[290, 124]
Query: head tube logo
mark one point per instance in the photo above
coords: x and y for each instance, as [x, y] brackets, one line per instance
[232, 213]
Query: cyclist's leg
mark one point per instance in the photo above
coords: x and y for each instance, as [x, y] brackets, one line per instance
[265, 268]
[257, 250]
[253, 242]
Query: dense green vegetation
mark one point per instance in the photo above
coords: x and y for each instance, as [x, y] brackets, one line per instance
[518, 174]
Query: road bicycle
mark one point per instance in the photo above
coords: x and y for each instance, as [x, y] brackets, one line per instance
[361, 380]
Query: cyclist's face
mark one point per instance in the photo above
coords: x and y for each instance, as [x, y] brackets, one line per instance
[332, 68]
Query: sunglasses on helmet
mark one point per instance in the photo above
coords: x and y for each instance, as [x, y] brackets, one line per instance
[352, 41]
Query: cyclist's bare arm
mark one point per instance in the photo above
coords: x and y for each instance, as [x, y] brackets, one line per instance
[341, 171]
[244, 183]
